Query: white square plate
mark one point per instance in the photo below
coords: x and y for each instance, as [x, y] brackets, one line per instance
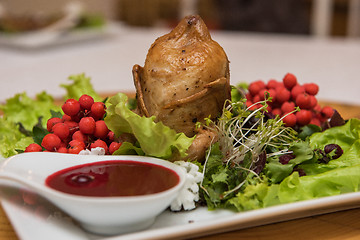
[42, 220]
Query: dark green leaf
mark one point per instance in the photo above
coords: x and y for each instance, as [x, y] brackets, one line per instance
[57, 114]
[23, 130]
[308, 130]
[39, 133]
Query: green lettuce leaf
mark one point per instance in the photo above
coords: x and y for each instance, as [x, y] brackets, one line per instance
[338, 176]
[27, 111]
[21, 114]
[347, 137]
[344, 135]
[334, 182]
[11, 139]
[127, 148]
[276, 171]
[20, 124]
[254, 196]
[295, 188]
[80, 85]
[155, 139]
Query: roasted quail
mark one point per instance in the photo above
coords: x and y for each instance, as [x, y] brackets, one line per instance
[184, 80]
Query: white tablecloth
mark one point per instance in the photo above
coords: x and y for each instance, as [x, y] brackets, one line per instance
[334, 64]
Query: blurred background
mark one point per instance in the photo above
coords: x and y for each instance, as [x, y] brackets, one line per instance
[316, 17]
[317, 40]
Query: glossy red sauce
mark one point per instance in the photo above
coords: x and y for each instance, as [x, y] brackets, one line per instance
[113, 178]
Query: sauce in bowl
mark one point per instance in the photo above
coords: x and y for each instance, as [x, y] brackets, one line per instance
[113, 179]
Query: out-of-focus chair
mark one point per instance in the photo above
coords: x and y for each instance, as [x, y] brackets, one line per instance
[322, 15]
[353, 28]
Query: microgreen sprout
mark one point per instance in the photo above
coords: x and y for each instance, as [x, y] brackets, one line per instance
[244, 135]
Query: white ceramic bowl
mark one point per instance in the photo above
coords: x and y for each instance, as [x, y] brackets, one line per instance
[100, 215]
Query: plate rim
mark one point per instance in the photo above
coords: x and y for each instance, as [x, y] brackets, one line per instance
[236, 221]
[272, 214]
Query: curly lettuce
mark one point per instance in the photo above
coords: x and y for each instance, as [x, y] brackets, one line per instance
[27, 111]
[80, 85]
[22, 114]
[154, 138]
[11, 139]
[339, 176]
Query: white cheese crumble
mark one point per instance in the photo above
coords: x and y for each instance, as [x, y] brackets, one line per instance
[93, 151]
[190, 192]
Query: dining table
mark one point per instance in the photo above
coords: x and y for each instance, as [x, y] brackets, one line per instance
[108, 56]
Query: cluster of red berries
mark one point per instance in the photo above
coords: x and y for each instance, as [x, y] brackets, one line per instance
[286, 96]
[81, 127]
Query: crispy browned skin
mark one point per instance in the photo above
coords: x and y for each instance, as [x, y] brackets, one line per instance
[185, 77]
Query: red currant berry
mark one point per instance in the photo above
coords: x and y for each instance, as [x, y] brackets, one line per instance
[303, 117]
[66, 118]
[33, 147]
[277, 111]
[75, 142]
[315, 121]
[289, 80]
[290, 120]
[75, 149]
[303, 101]
[272, 83]
[317, 108]
[114, 146]
[98, 110]
[327, 112]
[64, 143]
[101, 130]
[78, 135]
[296, 90]
[272, 94]
[311, 88]
[282, 95]
[73, 126]
[62, 150]
[263, 93]
[50, 142]
[261, 84]
[86, 101]
[256, 99]
[248, 96]
[255, 106]
[254, 88]
[87, 125]
[61, 130]
[248, 103]
[269, 108]
[51, 122]
[313, 101]
[71, 107]
[78, 116]
[287, 107]
[110, 137]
